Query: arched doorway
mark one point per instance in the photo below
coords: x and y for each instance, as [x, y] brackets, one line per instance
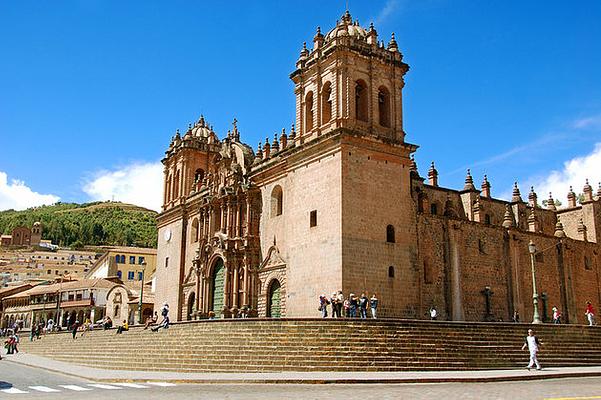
[217, 280]
[274, 299]
[191, 300]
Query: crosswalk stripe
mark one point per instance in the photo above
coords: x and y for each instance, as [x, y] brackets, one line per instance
[75, 388]
[13, 391]
[102, 386]
[162, 384]
[132, 385]
[44, 389]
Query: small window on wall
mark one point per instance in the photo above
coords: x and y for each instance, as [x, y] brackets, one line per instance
[434, 209]
[390, 238]
[277, 196]
[119, 274]
[132, 259]
[130, 275]
[391, 272]
[313, 219]
[140, 260]
[139, 276]
[487, 219]
[587, 263]
[166, 262]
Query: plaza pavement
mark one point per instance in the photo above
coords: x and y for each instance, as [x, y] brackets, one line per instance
[317, 377]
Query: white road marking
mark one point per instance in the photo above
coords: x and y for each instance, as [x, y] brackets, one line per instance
[75, 388]
[44, 389]
[162, 384]
[132, 385]
[102, 386]
[13, 391]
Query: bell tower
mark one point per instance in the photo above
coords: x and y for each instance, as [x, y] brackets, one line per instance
[350, 80]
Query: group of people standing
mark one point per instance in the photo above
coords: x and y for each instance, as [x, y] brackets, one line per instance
[351, 307]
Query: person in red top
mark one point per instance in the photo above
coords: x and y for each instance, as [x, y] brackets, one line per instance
[590, 313]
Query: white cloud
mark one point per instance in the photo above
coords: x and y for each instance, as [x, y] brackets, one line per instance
[593, 122]
[139, 183]
[574, 173]
[18, 196]
[388, 9]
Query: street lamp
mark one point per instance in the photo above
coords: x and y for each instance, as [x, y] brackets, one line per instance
[141, 293]
[535, 317]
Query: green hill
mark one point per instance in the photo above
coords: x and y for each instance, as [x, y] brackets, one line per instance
[99, 223]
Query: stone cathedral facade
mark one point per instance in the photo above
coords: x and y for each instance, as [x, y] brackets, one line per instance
[337, 203]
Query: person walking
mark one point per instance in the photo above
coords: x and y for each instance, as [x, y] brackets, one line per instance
[363, 300]
[590, 313]
[433, 313]
[556, 315]
[165, 322]
[373, 304]
[532, 344]
[323, 305]
[74, 328]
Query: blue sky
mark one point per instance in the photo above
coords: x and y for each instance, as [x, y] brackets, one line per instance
[91, 91]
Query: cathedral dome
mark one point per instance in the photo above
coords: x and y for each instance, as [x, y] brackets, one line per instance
[201, 128]
[347, 28]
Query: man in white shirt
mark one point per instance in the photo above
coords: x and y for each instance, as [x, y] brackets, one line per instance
[532, 344]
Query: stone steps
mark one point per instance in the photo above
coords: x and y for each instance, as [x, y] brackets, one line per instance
[316, 344]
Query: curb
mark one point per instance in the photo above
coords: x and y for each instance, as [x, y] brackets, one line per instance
[527, 376]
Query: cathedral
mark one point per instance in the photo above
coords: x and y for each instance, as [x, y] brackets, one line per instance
[337, 203]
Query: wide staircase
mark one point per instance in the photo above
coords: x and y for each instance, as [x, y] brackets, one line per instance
[267, 345]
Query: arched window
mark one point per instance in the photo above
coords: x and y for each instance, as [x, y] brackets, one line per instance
[194, 231]
[176, 186]
[276, 201]
[384, 107]
[391, 272]
[198, 175]
[122, 259]
[117, 258]
[309, 112]
[428, 272]
[390, 234]
[326, 103]
[169, 185]
[361, 99]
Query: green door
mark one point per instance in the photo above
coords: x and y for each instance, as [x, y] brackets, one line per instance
[218, 278]
[274, 300]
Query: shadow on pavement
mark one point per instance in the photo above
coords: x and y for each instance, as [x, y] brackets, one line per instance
[5, 385]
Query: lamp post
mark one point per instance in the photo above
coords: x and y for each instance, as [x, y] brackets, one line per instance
[141, 293]
[535, 317]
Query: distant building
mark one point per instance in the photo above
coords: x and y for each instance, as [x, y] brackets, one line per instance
[126, 263]
[23, 236]
[64, 302]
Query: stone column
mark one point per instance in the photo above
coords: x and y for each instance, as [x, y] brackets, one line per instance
[248, 231]
[223, 217]
[245, 283]
[238, 220]
[226, 290]
[210, 220]
[235, 287]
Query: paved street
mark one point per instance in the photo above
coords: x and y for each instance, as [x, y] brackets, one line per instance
[18, 381]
